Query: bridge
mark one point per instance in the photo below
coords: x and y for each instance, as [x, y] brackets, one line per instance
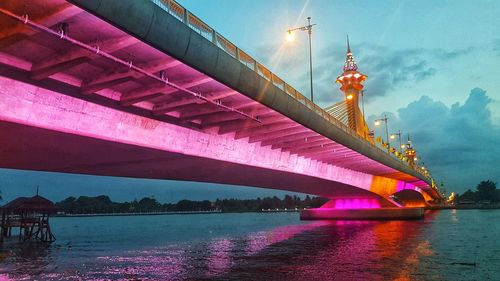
[146, 89]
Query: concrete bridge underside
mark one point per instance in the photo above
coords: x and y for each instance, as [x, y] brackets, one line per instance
[66, 109]
[48, 131]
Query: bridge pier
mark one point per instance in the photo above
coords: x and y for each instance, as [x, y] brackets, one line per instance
[390, 213]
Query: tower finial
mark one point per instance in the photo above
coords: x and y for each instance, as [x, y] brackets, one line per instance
[348, 46]
[350, 63]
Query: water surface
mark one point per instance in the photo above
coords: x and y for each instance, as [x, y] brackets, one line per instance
[446, 245]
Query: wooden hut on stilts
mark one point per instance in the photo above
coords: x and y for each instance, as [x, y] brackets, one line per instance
[29, 214]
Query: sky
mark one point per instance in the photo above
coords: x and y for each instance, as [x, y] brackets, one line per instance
[432, 68]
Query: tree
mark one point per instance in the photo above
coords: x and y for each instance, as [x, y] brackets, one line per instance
[149, 205]
[468, 195]
[486, 190]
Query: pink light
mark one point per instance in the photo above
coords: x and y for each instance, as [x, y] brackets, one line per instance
[353, 203]
[400, 186]
[219, 260]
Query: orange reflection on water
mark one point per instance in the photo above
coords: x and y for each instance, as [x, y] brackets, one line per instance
[392, 238]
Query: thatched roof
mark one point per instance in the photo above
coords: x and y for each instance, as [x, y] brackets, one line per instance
[36, 204]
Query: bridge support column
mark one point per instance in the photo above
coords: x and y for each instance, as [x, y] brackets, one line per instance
[361, 209]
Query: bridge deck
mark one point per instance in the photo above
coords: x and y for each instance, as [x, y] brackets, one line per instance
[190, 98]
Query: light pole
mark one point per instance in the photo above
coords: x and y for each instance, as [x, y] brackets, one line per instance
[290, 37]
[377, 123]
[398, 134]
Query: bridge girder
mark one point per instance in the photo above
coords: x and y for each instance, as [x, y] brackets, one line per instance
[118, 76]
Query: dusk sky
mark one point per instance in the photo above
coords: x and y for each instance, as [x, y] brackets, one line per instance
[432, 67]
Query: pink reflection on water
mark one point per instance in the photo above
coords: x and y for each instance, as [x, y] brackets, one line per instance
[153, 264]
[219, 260]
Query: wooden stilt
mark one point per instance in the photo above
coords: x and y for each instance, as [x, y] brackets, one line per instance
[31, 215]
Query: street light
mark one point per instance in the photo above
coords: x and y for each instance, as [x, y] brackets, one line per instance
[377, 123]
[291, 37]
[398, 134]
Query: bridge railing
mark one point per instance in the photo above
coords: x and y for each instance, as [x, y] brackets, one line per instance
[196, 24]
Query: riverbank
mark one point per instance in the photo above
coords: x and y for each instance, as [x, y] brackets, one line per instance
[294, 210]
[139, 214]
[179, 213]
[466, 207]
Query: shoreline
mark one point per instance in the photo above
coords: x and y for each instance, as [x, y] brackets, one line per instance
[495, 207]
[466, 207]
[174, 213]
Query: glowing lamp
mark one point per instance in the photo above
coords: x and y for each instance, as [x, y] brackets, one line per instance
[377, 123]
[415, 159]
[403, 146]
[350, 96]
[290, 36]
[393, 137]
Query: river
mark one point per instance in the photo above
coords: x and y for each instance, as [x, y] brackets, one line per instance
[446, 245]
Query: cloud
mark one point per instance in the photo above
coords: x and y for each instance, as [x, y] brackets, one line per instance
[496, 47]
[445, 55]
[458, 143]
[422, 75]
[388, 69]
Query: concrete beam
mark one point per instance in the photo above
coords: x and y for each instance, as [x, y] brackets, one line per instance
[196, 113]
[190, 113]
[289, 138]
[301, 141]
[77, 56]
[49, 18]
[143, 94]
[313, 149]
[218, 117]
[187, 102]
[241, 125]
[277, 134]
[337, 153]
[215, 118]
[264, 129]
[304, 145]
[115, 77]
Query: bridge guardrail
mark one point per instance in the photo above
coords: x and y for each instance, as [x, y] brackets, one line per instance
[196, 24]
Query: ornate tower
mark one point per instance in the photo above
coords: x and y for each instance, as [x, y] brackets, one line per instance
[351, 81]
[410, 153]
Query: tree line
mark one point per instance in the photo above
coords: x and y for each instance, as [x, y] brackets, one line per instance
[103, 204]
[486, 191]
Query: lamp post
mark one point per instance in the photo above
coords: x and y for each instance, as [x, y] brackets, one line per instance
[290, 37]
[377, 123]
[398, 134]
